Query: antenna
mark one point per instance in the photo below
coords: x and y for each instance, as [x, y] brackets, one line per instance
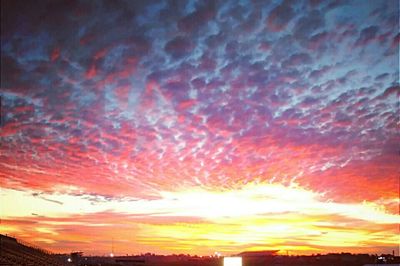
[112, 248]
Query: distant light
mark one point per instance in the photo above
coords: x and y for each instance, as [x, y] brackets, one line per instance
[111, 255]
[69, 260]
[233, 261]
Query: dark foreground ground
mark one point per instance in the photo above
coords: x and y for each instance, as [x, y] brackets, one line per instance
[344, 259]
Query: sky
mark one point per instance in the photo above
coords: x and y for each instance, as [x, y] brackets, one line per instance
[200, 126]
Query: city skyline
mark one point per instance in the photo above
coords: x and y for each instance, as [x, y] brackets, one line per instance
[197, 127]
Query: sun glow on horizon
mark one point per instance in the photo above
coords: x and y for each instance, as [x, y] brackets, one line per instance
[227, 219]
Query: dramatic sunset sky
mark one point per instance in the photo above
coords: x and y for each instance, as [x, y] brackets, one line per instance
[200, 126]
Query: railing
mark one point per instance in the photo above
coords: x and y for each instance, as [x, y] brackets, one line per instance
[25, 243]
[30, 245]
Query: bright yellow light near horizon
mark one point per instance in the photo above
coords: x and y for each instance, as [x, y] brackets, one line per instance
[233, 261]
[46, 230]
[249, 200]
[223, 219]
[9, 229]
[255, 199]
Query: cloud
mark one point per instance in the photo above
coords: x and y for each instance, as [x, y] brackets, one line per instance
[308, 25]
[280, 16]
[367, 35]
[199, 18]
[390, 91]
[297, 60]
[179, 47]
